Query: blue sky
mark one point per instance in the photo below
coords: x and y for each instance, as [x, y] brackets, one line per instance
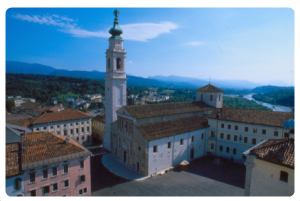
[225, 44]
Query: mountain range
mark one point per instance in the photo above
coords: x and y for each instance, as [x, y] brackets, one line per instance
[16, 67]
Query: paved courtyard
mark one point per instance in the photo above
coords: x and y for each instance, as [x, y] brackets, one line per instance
[202, 178]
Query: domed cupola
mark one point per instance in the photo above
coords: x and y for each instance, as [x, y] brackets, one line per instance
[116, 30]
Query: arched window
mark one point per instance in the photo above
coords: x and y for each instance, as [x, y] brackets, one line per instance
[119, 63]
[17, 183]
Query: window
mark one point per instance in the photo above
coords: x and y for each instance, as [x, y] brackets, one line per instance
[80, 191]
[254, 130]
[54, 171]
[228, 137]
[275, 133]
[88, 129]
[82, 164]
[286, 135]
[246, 129]
[284, 176]
[65, 132]
[139, 148]
[119, 63]
[235, 138]
[193, 138]
[45, 127]
[221, 148]
[33, 193]
[45, 190]
[212, 134]
[222, 125]
[212, 146]
[181, 141]
[71, 131]
[57, 126]
[51, 127]
[17, 184]
[222, 135]
[229, 126]
[236, 128]
[71, 124]
[54, 187]
[65, 125]
[58, 132]
[37, 129]
[234, 151]
[45, 173]
[82, 178]
[227, 149]
[169, 145]
[66, 168]
[264, 131]
[202, 136]
[77, 130]
[245, 139]
[82, 129]
[211, 97]
[253, 141]
[155, 148]
[66, 183]
[82, 137]
[32, 177]
[85, 190]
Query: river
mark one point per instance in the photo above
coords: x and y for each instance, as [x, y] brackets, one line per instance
[277, 108]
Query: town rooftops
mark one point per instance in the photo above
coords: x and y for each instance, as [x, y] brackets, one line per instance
[171, 128]
[210, 89]
[39, 147]
[64, 115]
[278, 151]
[163, 109]
[13, 163]
[268, 118]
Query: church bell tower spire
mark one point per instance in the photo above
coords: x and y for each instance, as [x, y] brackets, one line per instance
[115, 78]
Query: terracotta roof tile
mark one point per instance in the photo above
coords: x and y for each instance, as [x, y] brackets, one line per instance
[280, 151]
[170, 128]
[210, 88]
[40, 146]
[268, 118]
[13, 164]
[164, 109]
[64, 115]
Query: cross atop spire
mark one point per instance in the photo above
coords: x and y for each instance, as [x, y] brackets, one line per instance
[116, 31]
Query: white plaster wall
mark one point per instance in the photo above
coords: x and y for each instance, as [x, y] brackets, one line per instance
[265, 180]
[166, 158]
[239, 145]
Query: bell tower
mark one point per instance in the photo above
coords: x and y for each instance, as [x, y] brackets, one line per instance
[115, 79]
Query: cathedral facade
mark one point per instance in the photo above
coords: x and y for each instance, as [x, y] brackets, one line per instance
[150, 139]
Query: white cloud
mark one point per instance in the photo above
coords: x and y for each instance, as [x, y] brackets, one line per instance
[137, 32]
[194, 43]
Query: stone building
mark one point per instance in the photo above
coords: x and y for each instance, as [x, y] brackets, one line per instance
[72, 123]
[270, 168]
[151, 139]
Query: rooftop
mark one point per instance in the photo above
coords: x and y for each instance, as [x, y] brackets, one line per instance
[210, 88]
[13, 166]
[64, 115]
[39, 146]
[279, 151]
[268, 118]
[164, 109]
[174, 127]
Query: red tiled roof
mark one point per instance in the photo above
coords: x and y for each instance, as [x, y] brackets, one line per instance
[164, 109]
[64, 115]
[268, 118]
[40, 146]
[13, 166]
[174, 127]
[210, 88]
[279, 151]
